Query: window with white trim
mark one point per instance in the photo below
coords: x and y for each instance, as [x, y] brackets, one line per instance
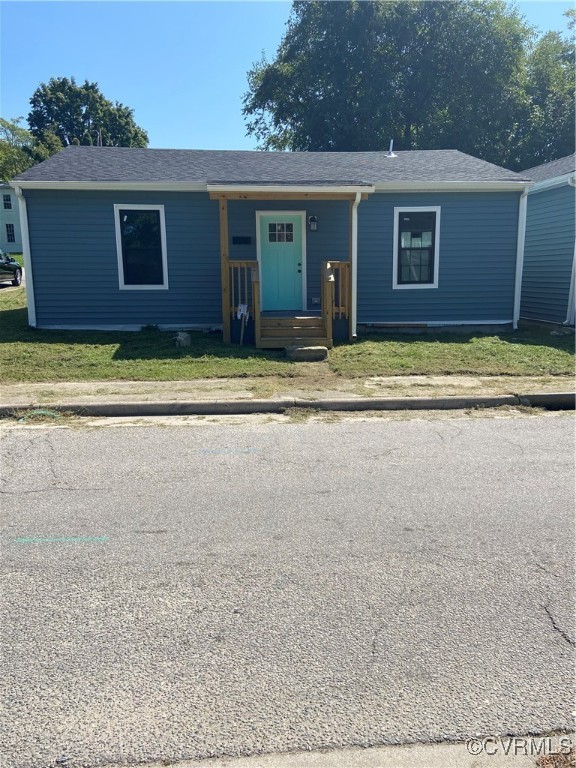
[141, 246]
[10, 234]
[416, 247]
[7, 202]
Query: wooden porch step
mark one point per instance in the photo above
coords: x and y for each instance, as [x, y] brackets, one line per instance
[290, 322]
[293, 330]
[281, 342]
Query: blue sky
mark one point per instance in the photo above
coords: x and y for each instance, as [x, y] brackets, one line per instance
[180, 65]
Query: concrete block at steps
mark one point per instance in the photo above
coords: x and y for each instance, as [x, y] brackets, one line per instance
[306, 354]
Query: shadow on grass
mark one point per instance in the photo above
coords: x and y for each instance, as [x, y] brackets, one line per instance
[148, 344]
[153, 344]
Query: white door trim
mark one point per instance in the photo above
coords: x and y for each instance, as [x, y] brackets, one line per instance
[302, 215]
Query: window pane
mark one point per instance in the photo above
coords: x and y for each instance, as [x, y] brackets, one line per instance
[289, 237]
[406, 239]
[416, 240]
[416, 247]
[272, 237]
[271, 228]
[141, 247]
[289, 228]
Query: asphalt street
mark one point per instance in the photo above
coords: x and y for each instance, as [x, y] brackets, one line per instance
[180, 592]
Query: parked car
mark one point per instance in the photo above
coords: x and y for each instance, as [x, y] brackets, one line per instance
[10, 269]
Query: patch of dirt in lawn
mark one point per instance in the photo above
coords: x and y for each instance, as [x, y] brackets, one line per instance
[320, 383]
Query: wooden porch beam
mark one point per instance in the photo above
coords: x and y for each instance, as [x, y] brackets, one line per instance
[282, 196]
[224, 271]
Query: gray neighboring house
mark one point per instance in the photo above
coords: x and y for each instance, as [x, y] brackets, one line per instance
[10, 237]
[316, 245]
[550, 250]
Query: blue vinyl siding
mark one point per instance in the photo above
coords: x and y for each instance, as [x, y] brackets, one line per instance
[477, 259]
[330, 241]
[548, 254]
[75, 265]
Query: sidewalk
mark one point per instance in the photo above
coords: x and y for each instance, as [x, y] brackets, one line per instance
[274, 394]
[408, 756]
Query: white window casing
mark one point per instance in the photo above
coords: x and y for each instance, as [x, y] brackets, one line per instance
[396, 285]
[121, 281]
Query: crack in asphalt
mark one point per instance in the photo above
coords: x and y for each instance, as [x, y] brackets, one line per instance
[558, 629]
[50, 489]
[543, 568]
[374, 651]
[51, 460]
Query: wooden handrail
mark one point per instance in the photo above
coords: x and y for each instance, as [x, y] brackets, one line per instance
[327, 297]
[240, 282]
[256, 314]
[338, 273]
[342, 289]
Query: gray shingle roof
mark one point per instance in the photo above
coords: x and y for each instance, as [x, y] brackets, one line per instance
[552, 169]
[122, 164]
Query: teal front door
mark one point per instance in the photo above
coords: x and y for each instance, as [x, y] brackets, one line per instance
[281, 261]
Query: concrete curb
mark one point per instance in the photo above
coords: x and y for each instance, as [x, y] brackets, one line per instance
[551, 400]
[548, 400]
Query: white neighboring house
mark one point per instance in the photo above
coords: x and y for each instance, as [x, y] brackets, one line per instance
[10, 235]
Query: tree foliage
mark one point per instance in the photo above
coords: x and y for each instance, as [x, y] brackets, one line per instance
[80, 114]
[550, 88]
[19, 149]
[431, 75]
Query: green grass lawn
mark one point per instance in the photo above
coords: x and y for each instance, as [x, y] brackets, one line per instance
[522, 353]
[28, 354]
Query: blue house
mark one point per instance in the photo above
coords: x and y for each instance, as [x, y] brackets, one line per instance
[313, 245]
[549, 252]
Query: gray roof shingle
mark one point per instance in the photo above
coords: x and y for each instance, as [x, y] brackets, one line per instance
[123, 164]
[550, 170]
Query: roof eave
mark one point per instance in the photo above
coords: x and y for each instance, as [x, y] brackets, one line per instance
[304, 188]
[179, 186]
[555, 181]
[134, 186]
[453, 186]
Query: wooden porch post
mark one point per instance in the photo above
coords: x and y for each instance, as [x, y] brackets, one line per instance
[225, 270]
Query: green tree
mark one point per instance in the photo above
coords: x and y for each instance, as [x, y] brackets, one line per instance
[550, 86]
[80, 114]
[431, 75]
[19, 149]
[14, 143]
